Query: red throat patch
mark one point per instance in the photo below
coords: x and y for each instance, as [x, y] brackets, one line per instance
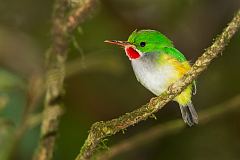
[132, 53]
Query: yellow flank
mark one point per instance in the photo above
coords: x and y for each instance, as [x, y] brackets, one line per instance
[182, 67]
[185, 97]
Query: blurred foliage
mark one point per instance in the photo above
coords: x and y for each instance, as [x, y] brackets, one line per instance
[9, 80]
[103, 85]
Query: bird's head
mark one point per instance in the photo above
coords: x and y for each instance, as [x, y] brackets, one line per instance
[143, 42]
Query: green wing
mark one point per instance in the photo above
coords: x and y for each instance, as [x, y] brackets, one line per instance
[174, 53]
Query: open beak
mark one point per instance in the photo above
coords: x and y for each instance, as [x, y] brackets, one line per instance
[119, 43]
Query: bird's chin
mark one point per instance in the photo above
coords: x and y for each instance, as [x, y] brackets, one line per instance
[132, 53]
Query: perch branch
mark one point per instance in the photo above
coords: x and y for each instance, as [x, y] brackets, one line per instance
[101, 130]
[55, 66]
[171, 127]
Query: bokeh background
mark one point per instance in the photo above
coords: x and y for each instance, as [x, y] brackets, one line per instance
[100, 83]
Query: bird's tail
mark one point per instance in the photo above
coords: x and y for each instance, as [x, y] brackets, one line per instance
[189, 114]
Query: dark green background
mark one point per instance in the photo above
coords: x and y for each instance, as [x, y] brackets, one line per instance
[105, 91]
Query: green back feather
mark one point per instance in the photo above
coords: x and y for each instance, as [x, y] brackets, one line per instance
[174, 53]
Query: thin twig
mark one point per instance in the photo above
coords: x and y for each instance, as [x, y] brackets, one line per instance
[168, 128]
[34, 93]
[101, 130]
[55, 63]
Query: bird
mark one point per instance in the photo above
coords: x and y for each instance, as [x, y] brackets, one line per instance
[157, 64]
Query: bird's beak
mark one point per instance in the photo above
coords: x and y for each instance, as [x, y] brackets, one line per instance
[119, 43]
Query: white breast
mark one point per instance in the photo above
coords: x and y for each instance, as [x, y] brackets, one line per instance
[156, 78]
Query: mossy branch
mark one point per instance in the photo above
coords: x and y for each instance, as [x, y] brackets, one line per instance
[101, 130]
[55, 67]
[167, 128]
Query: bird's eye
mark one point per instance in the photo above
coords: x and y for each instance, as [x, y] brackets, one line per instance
[142, 44]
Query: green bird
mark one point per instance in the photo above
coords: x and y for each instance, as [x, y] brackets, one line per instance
[157, 64]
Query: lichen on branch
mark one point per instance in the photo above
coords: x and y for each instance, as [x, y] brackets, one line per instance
[170, 127]
[101, 130]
